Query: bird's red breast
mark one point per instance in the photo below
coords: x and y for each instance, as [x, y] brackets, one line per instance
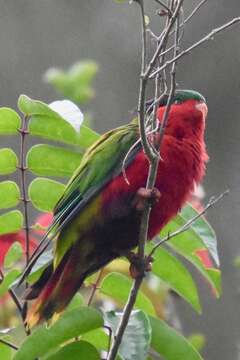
[182, 165]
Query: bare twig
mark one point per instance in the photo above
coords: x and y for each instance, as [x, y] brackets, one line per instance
[213, 201]
[125, 318]
[164, 6]
[153, 166]
[22, 167]
[95, 287]
[195, 10]
[172, 90]
[14, 298]
[9, 344]
[190, 16]
[154, 59]
[142, 92]
[209, 36]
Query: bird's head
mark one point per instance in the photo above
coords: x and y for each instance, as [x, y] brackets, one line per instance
[187, 114]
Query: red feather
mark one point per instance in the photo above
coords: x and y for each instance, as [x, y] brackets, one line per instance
[115, 231]
[183, 161]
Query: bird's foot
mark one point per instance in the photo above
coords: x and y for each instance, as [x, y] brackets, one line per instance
[152, 196]
[139, 267]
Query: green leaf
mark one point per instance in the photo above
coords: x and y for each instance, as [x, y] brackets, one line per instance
[198, 341]
[11, 222]
[169, 343]
[118, 286]
[10, 121]
[204, 230]
[8, 280]
[76, 351]
[98, 338]
[48, 124]
[169, 269]
[9, 194]
[47, 160]
[137, 336]
[187, 244]
[76, 302]
[87, 137]
[74, 84]
[8, 161]
[15, 252]
[5, 351]
[70, 325]
[44, 193]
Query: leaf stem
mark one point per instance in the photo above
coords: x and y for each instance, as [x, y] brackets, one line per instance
[9, 344]
[213, 201]
[152, 173]
[22, 167]
[95, 286]
[15, 299]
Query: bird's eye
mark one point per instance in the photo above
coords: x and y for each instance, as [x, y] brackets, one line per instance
[176, 102]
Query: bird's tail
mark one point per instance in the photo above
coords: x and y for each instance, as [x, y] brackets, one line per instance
[53, 291]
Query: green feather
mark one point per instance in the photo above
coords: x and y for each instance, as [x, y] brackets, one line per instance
[101, 163]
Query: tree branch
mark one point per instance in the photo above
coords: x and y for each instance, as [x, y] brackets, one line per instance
[213, 201]
[15, 299]
[152, 174]
[195, 45]
[164, 37]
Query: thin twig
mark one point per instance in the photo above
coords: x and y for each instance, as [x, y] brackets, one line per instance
[189, 223]
[209, 36]
[14, 297]
[172, 89]
[153, 166]
[22, 167]
[95, 287]
[190, 16]
[144, 223]
[164, 6]
[9, 344]
[142, 92]
[125, 318]
[183, 23]
[154, 59]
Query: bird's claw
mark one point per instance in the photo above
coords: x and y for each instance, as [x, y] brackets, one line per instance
[139, 267]
[150, 195]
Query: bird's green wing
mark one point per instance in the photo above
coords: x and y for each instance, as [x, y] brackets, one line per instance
[101, 163]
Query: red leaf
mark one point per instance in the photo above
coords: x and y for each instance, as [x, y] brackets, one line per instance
[7, 240]
[204, 256]
[43, 221]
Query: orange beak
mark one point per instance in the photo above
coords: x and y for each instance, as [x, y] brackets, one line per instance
[201, 106]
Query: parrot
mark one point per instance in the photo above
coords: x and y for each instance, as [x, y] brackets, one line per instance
[98, 217]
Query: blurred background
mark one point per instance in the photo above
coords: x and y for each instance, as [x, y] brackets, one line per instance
[37, 35]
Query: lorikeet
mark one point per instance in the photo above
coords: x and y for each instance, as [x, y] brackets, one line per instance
[97, 219]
